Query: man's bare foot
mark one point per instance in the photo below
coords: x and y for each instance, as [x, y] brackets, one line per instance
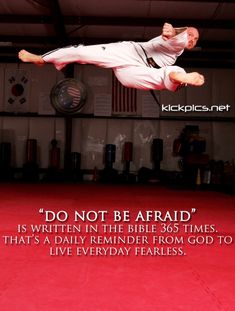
[192, 78]
[27, 57]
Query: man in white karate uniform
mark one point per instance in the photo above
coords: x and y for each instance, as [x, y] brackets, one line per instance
[141, 65]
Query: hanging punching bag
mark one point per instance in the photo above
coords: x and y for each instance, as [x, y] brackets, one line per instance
[5, 155]
[127, 155]
[110, 155]
[157, 152]
[157, 149]
[31, 151]
[54, 155]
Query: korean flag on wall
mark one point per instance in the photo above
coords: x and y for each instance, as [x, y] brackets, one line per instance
[17, 90]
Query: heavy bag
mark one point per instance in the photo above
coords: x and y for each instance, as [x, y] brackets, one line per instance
[128, 151]
[31, 150]
[157, 150]
[110, 153]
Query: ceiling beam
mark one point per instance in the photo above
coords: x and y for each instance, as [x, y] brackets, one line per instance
[58, 22]
[208, 1]
[53, 40]
[117, 21]
[147, 22]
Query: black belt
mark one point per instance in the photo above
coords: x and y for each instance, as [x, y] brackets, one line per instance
[149, 60]
[151, 63]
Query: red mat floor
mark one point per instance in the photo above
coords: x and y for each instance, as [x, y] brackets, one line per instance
[191, 277]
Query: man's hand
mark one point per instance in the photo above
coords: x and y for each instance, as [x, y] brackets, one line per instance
[191, 78]
[168, 31]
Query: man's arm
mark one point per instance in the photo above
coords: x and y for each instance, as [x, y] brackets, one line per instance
[168, 31]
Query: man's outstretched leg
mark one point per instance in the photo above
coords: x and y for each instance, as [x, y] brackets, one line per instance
[168, 77]
[106, 55]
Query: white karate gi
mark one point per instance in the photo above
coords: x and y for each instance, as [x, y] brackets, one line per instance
[128, 60]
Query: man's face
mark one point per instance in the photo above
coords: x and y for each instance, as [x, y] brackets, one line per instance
[193, 37]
